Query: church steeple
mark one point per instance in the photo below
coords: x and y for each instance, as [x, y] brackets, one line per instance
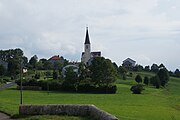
[87, 41]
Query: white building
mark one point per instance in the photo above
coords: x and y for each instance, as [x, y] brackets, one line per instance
[87, 55]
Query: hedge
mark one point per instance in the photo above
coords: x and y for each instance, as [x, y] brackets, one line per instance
[56, 85]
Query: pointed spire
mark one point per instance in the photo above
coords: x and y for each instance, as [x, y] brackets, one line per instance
[87, 41]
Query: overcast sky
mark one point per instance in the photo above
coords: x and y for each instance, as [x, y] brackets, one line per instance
[147, 31]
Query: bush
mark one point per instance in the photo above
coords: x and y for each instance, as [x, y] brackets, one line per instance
[48, 74]
[137, 89]
[155, 81]
[37, 76]
[138, 79]
[163, 77]
[55, 85]
[124, 76]
[146, 80]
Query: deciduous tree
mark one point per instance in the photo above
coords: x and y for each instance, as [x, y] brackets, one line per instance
[102, 71]
[163, 76]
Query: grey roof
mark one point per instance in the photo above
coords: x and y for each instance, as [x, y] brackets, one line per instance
[96, 54]
[129, 60]
[87, 41]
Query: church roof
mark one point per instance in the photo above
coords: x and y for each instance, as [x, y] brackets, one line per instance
[87, 41]
[56, 58]
[96, 54]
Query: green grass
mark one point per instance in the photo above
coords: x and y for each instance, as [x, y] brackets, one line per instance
[153, 104]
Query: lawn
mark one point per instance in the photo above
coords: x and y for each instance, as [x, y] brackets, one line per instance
[153, 104]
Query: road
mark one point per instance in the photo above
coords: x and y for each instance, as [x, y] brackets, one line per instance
[8, 85]
[4, 117]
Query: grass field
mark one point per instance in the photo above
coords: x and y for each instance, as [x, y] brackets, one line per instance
[153, 104]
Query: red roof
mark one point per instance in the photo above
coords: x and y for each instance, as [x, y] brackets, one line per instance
[55, 58]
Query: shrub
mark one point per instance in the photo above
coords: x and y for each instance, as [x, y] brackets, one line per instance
[146, 80]
[37, 76]
[138, 79]
[137, 89]
[163, 76]
[48, 74]
[124, 76]
[59, 86]
[155, 81]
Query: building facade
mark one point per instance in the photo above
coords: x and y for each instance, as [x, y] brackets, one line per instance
[129, 63]
[87, 56]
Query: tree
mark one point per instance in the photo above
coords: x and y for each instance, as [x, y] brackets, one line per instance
[25, 61]
[147, 68]
[13, 67]
[163, 76]
[146, 80]
[115, 66]
[138, 79]
[122, 71]
[39, 65]
[155, 81]
[58, 66]
[161, 66]
[102, 71]
[138, 68]
[6, 55]
[71, 78]
[177, 73]
[33, 61]
[2, 70]
[155, 68]
[48, 65]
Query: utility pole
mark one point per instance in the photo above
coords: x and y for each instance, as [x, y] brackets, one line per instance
[21, 95]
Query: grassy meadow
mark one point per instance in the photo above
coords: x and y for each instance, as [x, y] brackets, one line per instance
[152, 104]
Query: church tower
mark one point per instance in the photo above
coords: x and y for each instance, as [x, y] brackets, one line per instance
[87, 56]
[87, 44]
[87, 49]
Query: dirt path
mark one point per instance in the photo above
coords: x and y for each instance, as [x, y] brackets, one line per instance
[4, 117]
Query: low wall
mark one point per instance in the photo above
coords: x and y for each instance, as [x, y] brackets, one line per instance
[72, 110]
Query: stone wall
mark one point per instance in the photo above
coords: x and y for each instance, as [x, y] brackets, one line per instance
[72, 110]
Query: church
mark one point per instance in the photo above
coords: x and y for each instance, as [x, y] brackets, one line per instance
[87, 55]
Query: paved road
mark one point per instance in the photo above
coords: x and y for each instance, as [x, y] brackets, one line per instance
[4, 117]
[8, 85]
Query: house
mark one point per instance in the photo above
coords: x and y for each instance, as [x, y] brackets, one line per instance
[4, 64]
[87, 56]
[55, 60]
[129, 63]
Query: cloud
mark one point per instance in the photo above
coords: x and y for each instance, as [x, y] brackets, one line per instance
[119, 28]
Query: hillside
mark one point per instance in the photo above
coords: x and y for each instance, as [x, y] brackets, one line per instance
[156, 104]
